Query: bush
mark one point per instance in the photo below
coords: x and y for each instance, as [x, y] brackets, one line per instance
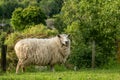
[7, 7]
[80, 52]
[23, 18]
[51, 7]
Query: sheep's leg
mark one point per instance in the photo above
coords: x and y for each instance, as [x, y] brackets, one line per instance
[24, 62]
[18, 66]
[52, 68]
[23, 68]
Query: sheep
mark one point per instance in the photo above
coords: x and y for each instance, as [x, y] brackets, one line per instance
[42, 52]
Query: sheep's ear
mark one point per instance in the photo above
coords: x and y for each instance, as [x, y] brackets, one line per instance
[59, 35]
[68, 35]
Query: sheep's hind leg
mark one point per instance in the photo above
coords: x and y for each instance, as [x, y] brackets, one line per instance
[18, 67]
[23, 68]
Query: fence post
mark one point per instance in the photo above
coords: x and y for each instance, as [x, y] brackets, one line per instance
[93, 54]
[3, 57]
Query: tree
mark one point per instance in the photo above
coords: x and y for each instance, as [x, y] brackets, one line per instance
[25, 3]
[7, 7]
[23, 18]
[95, 21]
[51, 7]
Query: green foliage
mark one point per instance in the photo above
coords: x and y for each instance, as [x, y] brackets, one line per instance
[56, 7]
[59, 24]
[87, 21]
[2, 37]
[7, 7]
[80, 52]
[23, 18]
[51, 7]
[25, 3]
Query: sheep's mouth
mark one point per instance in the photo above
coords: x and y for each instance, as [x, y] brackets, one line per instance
[66, 44]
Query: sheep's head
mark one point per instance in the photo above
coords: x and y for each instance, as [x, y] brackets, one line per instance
[64, 39]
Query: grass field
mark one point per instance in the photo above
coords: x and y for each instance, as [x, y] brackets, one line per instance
[65, 75]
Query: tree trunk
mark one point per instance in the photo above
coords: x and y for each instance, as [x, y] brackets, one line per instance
[93, 54]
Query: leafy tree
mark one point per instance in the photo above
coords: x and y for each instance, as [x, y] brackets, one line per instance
[51, 7]
[95, 21]
[31, 15]
[55, 7]
[25, 3]
[7, 7]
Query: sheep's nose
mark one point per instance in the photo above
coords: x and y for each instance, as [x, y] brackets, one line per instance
[66, 42]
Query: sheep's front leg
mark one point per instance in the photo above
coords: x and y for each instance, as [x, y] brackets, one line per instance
[52, 68]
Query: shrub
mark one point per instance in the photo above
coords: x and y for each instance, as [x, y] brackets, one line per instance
[23, 18]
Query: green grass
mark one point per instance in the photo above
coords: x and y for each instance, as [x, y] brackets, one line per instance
[65, 75]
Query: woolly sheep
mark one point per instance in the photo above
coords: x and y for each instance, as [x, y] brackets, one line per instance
[42, 52]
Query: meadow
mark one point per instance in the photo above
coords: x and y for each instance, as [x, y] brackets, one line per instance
[84, 74]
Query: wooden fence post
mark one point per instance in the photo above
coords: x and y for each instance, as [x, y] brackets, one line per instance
[93, 54]
[3, 57]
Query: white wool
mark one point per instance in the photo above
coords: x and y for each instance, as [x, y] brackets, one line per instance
[41, 51]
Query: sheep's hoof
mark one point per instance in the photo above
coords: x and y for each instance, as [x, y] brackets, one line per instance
[16, 73]
[53, 70]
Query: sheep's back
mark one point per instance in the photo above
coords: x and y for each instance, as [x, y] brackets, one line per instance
[35, 50]
[41, 51]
